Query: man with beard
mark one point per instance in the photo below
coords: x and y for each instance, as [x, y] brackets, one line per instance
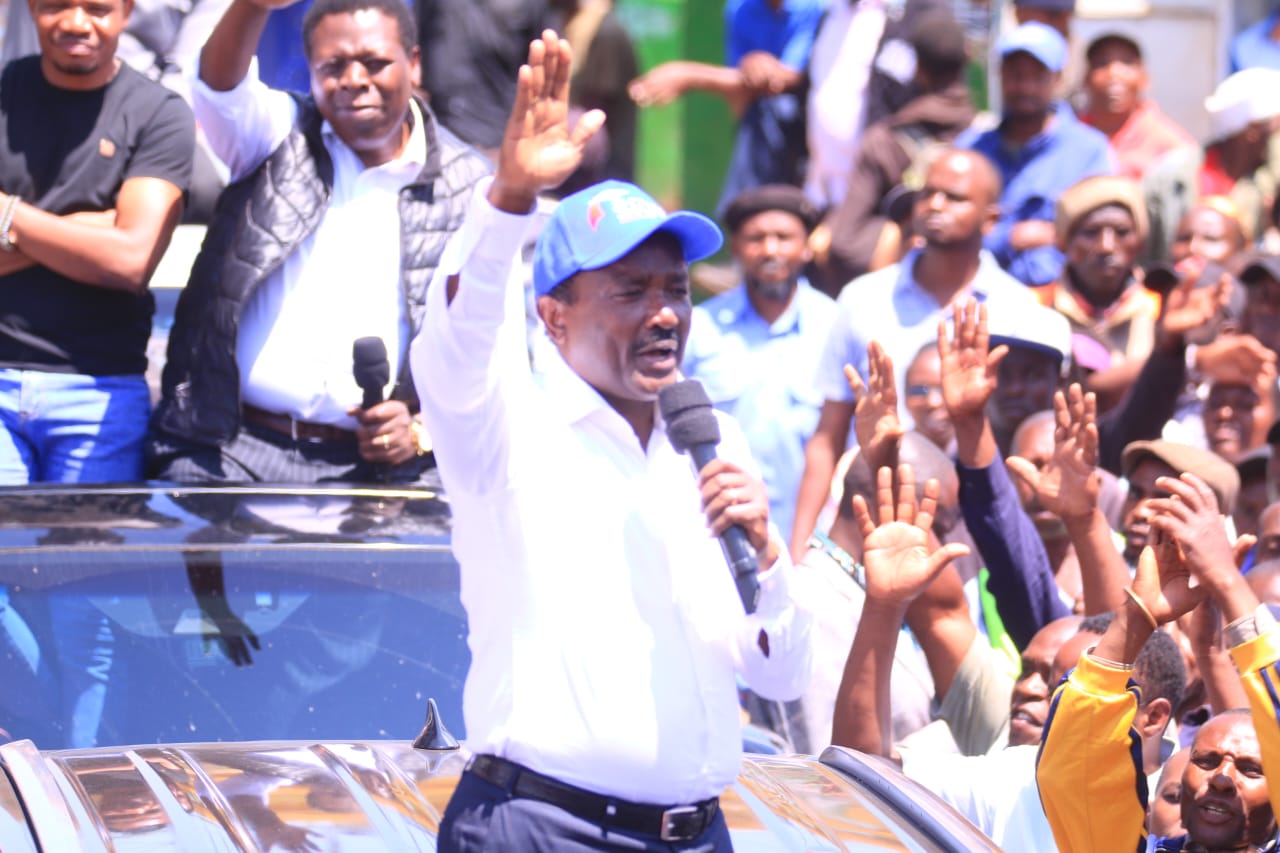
[1040, 149]
[1093, 792]
[900, 307]
[755, 348]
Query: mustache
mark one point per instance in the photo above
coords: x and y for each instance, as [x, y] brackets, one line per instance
[658, 336]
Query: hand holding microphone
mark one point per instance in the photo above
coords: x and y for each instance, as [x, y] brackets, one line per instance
[384, 434]
[734, 502]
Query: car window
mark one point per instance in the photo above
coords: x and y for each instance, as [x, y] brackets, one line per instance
[231, 631]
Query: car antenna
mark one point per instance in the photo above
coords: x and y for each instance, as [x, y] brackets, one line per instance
[434, 737]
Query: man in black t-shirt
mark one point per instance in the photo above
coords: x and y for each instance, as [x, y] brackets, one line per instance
[95, 160]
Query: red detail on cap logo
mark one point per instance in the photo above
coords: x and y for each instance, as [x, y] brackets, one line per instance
[594, 214]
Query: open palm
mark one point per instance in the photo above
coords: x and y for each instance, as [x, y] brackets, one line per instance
[899, 563]
[1068, 485]
[969, 369]
[539, 149]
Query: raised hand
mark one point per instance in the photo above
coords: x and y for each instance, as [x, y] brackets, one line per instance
[1188, 307]
[1069, 484]
[1163, 582]
[1190, 517]
[539, 149]
[875, 420]
[969, 369]
[896, 553]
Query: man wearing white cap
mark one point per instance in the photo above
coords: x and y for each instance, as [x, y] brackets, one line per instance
[1242, 115]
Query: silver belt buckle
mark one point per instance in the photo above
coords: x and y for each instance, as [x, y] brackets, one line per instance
[671, 823]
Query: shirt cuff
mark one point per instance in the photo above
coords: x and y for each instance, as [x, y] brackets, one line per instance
[775, 586]
[1249, 627]
[1097, 678]
[225, 100]
[489, 236]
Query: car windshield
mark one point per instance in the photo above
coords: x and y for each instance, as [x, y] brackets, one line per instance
[156, 617]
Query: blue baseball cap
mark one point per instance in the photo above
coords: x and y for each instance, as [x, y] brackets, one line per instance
[598, 225]
[1040, 40]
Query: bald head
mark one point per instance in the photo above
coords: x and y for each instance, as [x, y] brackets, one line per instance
[1033, 434]
[958, 203]
[987, 184]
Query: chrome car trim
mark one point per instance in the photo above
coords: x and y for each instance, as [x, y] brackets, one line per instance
[194, 832]
[940, 823]
[15, 833]
[56, 828]
[396, 832]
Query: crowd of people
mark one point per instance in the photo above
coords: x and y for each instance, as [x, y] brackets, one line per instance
[1000, 386]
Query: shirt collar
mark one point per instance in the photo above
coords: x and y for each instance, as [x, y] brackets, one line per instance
[575, 400]
[738, 306]
[414, 158]
[979, 285]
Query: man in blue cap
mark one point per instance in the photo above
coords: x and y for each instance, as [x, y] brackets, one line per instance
[1040, 148]
[605, 631]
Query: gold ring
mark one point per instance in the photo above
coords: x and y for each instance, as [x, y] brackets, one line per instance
[386, 441]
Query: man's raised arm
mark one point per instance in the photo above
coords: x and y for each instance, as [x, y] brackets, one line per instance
[899, 564]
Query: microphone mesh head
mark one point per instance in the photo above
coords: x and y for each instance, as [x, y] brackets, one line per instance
[687, 411]
[369, 363]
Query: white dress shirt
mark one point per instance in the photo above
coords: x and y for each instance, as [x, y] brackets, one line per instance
[341, 283]
[605, 629]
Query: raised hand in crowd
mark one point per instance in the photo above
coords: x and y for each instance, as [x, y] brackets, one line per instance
[970, 373]
[898, 551]
[1232, 357]
[901, 558]
[1190, 517]
[875, 418]
[1069, 483]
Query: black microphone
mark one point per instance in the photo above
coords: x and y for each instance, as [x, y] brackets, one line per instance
[371, 369]
[692, 428]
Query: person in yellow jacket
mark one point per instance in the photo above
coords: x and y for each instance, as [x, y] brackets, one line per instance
[1089, 771]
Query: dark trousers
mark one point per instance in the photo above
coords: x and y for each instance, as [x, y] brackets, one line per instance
[484, 817]
[258, 455]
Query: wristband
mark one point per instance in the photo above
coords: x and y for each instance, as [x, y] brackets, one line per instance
[1137, 602]
[1114, 664]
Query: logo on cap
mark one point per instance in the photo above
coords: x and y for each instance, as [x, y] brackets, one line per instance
[625, 206]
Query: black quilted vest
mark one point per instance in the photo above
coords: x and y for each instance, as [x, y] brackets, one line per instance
[258, 222]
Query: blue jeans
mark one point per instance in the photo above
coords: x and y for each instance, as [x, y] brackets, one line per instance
[71, 428]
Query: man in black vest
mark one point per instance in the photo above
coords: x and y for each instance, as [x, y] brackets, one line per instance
[339, 210]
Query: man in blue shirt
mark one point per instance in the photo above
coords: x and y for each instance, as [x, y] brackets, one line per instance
[755, 348]
[1040, 148]
[1258, 46]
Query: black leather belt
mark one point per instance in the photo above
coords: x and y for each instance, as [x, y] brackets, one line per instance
[669, 823]
[296, 430]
